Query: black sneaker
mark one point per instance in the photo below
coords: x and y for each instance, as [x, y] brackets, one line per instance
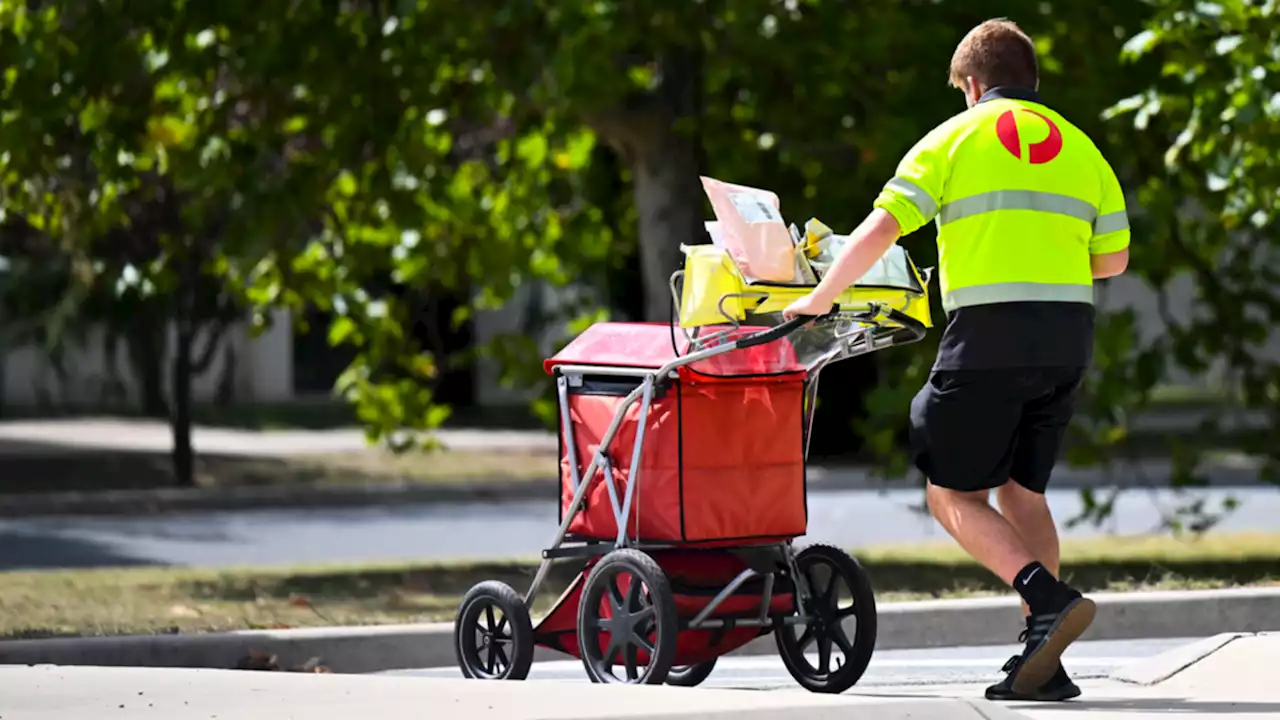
[1057, 689]
[1047, 636]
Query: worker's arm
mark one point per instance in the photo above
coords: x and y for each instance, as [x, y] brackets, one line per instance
[1109, 246]
[867, 244]
[1109, 264]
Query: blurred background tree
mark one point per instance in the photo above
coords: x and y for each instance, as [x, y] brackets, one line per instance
[182, 165]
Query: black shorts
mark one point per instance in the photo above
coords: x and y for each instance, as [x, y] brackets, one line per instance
[977, 429]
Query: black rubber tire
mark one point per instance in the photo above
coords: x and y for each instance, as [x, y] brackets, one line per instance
[857, 651]
[654, 611]
[690, 675]
[488, 648]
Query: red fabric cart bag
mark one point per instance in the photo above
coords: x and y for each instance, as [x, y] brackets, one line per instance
[723, 455]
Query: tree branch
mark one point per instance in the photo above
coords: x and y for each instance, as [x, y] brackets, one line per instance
[204, 358]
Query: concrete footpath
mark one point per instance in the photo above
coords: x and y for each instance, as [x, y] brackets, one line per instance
[1235, 675]
[52, 693]
[924, 624]
[1226, 676]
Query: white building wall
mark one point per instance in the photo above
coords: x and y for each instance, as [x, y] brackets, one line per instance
[263, 370]
[545, 299]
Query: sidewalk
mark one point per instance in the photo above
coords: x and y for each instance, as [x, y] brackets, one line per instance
[1226, 677]
[54, 693]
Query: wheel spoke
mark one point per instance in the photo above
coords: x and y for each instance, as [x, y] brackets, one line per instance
[633, 593]
[489, 620]
[813, 584]
[615, 647]
[615, 595]
[645, 615]
[847, 612]
[480, 629]
[824, 655]
[805, 638]
[639, 640]
[842, 639]
[502, 626]
[491, 661]
[502, 661]
[828, 595]
[632, 654]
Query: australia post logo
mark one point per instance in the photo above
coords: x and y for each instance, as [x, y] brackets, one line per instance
[1015, 126]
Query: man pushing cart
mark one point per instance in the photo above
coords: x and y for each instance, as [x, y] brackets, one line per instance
[683, 445]
[1029, 214]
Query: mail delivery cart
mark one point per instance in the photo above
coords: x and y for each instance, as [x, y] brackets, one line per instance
[682, 489]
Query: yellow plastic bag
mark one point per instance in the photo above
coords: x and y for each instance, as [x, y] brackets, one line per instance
[710, 275]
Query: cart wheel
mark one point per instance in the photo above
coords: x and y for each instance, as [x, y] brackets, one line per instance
[690, 675]
[493, 635]
[627, 607]
[838, 591]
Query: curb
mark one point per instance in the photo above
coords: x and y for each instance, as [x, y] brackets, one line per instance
[932, 623]
[1157, 669]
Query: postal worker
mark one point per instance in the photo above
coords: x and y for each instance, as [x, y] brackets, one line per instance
[1029, 214]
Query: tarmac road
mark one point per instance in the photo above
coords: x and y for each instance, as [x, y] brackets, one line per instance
[850, 518]
[942, 666]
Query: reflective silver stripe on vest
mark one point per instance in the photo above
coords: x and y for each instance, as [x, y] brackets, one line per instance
[1017, 200]
[918, 197]
[1016, 292]
[1111, 222]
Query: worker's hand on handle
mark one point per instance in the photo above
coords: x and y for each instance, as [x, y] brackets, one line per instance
[811, 304]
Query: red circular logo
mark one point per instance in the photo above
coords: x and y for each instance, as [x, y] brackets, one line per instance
[1037, 152]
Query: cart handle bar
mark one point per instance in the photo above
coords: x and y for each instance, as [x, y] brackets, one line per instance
[916, 328]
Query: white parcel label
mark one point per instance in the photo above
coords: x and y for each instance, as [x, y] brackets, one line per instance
[753, 209]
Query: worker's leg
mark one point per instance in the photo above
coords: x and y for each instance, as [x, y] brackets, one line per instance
[969, 518]
[1046, 415]
[965, 432]
[1028, 513]
[963, 427]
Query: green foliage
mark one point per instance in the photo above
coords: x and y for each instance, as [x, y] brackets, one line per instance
[189, 159]
[297, 154]
[1203, 137]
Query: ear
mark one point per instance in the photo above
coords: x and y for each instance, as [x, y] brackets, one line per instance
[976, 91]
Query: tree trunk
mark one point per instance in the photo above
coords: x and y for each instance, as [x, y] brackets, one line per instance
[659, 136]
[184, 366]
[180, 420]
[669, 204]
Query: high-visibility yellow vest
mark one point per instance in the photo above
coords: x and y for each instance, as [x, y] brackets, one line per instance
[1021, 198]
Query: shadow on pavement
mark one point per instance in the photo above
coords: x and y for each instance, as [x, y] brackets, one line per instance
[20, 550]
[36, 467]
[1169, 705]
